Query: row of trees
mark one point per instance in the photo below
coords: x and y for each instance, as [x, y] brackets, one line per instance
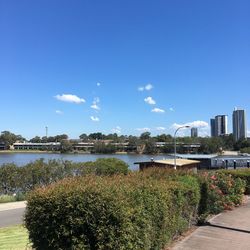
[145, 143]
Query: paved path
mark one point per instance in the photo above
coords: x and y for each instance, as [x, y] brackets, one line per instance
[226, 231]
[12, 213]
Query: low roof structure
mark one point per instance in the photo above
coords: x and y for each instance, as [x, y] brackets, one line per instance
[169, 163]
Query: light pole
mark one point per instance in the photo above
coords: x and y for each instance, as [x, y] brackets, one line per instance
[175, 143]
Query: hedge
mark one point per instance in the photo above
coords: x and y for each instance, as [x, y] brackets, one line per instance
[136, 211]
[140, 210]
[243, 174]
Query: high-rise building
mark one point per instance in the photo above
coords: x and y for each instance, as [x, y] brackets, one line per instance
[212, 125]
[194, 132]
[239, 124]
[220, 125]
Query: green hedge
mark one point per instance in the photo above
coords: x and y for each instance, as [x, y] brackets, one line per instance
[137, 211]
[243, 174]
[140, 210]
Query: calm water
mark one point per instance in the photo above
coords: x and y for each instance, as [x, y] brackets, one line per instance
[24, 158]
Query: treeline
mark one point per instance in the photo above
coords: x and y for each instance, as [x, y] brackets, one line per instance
[145, 143]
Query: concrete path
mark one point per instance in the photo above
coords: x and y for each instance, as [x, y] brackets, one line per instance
[12, 213]
[226, 231]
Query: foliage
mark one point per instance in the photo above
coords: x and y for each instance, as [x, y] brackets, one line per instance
[19, 180]
[219, 191]
[7, 198]
[9, 138]
[243, 174]
[245, 150]
[137, 211]
[110, 166]
[102, 148]
[66, 146]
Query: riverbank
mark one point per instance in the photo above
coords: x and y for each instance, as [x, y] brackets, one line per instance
[28, 151]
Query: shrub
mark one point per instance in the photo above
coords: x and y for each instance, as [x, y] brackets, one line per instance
[219, 191]
[110, 166]
[136, 211]
[14, 179]
[243, 174]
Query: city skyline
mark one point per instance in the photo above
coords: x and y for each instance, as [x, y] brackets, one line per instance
[123, 68]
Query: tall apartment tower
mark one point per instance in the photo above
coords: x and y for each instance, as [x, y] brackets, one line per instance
[220, 125]
[212, 125]
[239, 124]
[194, 132]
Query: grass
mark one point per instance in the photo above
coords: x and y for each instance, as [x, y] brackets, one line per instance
[7, 198]
[13, 238]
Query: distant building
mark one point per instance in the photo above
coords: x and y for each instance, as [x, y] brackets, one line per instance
[194, 132]
[220, 125]
[239, 124]
[212, 125]
[37, 146]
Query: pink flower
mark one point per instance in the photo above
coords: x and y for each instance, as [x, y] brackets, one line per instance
[213, 177]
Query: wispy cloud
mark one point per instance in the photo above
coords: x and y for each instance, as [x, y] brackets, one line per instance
[94, 118]
[248, 133]
[143, 129]
[117, 130]
[171, 109]
[150, 100]
[69, 98]
[98, 84]
[59, 112]
[197, 124]
[157, 110]
[94, 104]
[146, 87]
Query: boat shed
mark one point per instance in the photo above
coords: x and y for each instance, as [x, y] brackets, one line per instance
[169, 163]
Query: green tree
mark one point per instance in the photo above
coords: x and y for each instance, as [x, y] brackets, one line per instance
[145, 136]
[36, 139]
[84, 137]
[66, 146]
[9, 138]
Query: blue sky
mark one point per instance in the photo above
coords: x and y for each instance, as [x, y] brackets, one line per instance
[186, 60]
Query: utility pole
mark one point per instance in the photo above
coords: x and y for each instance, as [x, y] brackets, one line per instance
[46, 130]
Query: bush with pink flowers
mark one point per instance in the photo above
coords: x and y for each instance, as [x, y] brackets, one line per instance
[220, 191]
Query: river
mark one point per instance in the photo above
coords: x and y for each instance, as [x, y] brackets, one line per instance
[21, 159]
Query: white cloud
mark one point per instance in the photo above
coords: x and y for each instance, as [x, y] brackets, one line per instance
[160, 128]
[149, 86]
[197, 124]
[248, 133]
[69, 98]
[150, 100]
[171, 109]
[94, 118]
[143, 129]
[98, 84]
[157, 110]
[146, 87]
[117, 130]
[59, 112]
[94, 104]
